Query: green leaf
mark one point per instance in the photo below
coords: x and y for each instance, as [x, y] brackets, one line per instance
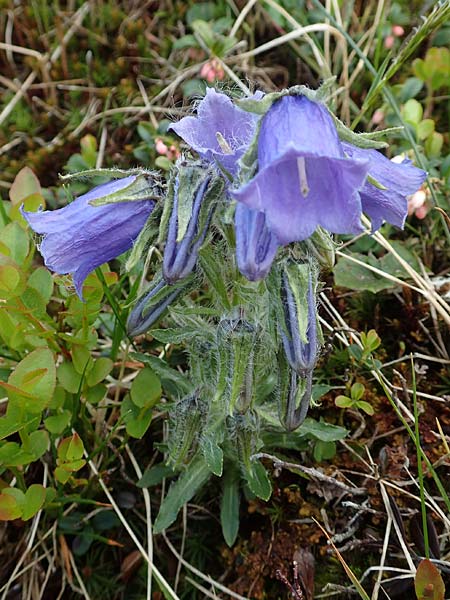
[34, 301]
[14, 242]
[68, 377]
[137, 420]
[365, 406]
[175, 335]
[425, 128]
[56, 424]
[81, 359]
[154, 475]
[9, 281]
[186, 41]
[37, 443]
[324, 450]
[62, 475]
[322, 430]
[212, 453]
[25, 184]
[229, 507]
[88, 145]
[357, 391]
[370, 340]
[181, 491]
[102, 367]
[34, 500]
[412, 112]
[146, 389]
[433, 145]
[357, 277]
[75, 448]
[164, 371]
[10, 425]
[12, 455]
[35, 376]
[428, 582]
[343, 401]
[258, 481]
[41, 280]
[95, 394]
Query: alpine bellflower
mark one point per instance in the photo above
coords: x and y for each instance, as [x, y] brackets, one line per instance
[304, 177]
[220, 134]
[400, 180]
[307, 177]
[80, 237]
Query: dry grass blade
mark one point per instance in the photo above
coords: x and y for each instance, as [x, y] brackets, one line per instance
[167, 590]
[347, 569]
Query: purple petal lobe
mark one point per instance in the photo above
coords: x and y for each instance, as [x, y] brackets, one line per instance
[79, 237]
[295, 123]
[216, 114]
[400, 179]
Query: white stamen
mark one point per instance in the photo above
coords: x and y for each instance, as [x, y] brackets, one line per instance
[224, 145]
[304, 188]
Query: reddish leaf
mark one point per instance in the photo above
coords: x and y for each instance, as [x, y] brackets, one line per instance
[428, 582]
[9, 509]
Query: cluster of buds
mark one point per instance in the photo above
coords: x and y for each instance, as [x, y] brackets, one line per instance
[171, 152]
[212, 71]
[193, 194]
[396, 32]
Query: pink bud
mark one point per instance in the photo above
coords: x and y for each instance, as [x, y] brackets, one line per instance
[160, 146]
[211, 76]
[212, 70]
[416, 203]
[205, 70]
[398, 30]
[378, 116]
[422, 212]
[389, 41]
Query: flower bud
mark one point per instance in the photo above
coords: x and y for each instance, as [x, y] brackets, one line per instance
[299, 328]
[151, 305]
[186, 420]
[294, 398]
[192, 198]
[322, 246]
[236, 339]
[256, 246]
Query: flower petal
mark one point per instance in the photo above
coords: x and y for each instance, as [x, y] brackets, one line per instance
[216, 114]
[296, 124]
[256, 246]
[332, 200]
[79, 237]
[400, 179]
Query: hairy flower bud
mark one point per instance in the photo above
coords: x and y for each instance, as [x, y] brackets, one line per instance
[151, 305]
[194, 192]
[294, 396]
[186, 419]
[256, 246]
[236, 339]
[299, 328]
